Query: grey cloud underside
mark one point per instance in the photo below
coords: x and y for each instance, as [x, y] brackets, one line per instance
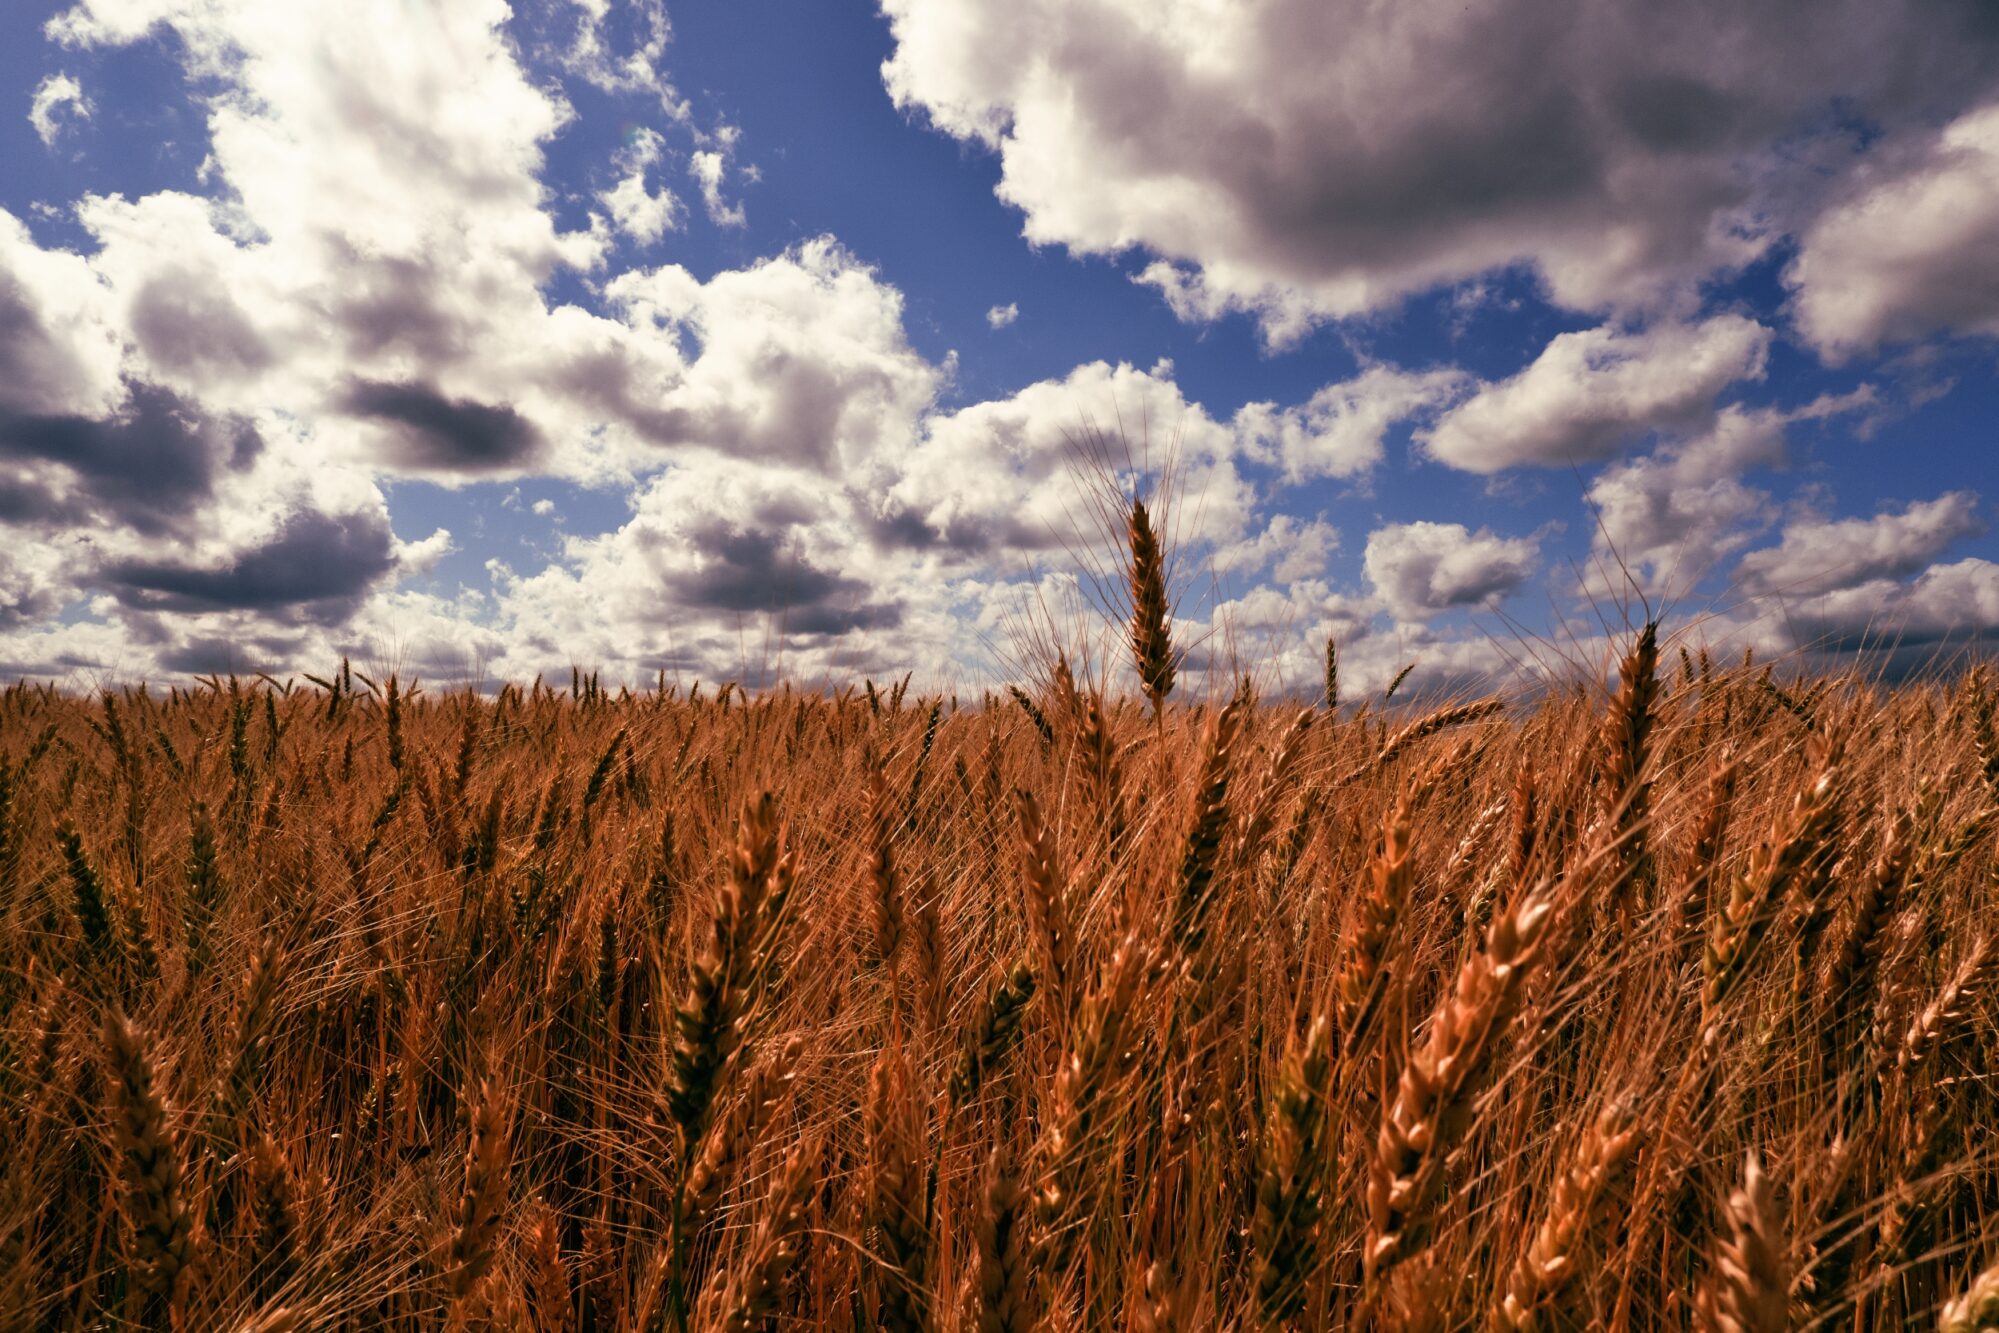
[436, 432]
[390, 304]
[1905, 643]
[144, 468]
[204, 654]
[318, 564]
[756, 571]
[187, 326]
[965, 536]
[24, 360]
[796, 418]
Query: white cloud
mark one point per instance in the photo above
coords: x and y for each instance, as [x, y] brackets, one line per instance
[1819, 556]
[1590, 393]
[591, 55]
[709, 167]
[1421, 569]
[234, 381]
[1914, 249]
[1301, 159]
[420, 557]
[728, 565]
[1012, 475]
[1002, 315]
[802, 358]
[60, 342]
[1291, 549]
[644, 215]
[1667, 518]
[1339, 431]
[58, 100]
[214, 393]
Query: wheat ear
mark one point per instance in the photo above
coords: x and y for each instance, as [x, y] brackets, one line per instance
[1795, 847]
[473, 1242]
[708, 1021]
[1042, 888]
[1362, 979]
[1441, 720]
[1005, 1287]
[153, 1198]
[759, 1273]
[1434, 1093]
[1533, 1290]
[1210, 817]
[1977, 1309]
[1746, 1291]
[548, 1274]
[1291, 1182]
[991, 1036]
[897, 1203]
[1151, 640]
[1625, 793]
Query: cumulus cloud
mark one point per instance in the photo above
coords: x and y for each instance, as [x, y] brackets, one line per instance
[1913, 249]
[58, 102]
[1591, 393]
[390, 284]
[800, 357]
[147, 467]
[208, 404]
[1818, 556]
[1340, 430]
[715, 546]
[60, 344]
[1664, 520]
[420, 557]
[1008, 475]
[1292, 549]
[35, 581]
[1946, 603]
[199, 418]
[1422, 569]
[1301, 160]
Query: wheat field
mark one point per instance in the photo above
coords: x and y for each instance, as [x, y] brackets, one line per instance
[353, 1004]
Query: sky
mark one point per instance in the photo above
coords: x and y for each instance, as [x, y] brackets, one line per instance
[777, 338]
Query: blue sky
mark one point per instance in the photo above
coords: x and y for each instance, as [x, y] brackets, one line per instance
[490, 339]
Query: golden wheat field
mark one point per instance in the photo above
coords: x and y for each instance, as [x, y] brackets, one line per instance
[356, 1004]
